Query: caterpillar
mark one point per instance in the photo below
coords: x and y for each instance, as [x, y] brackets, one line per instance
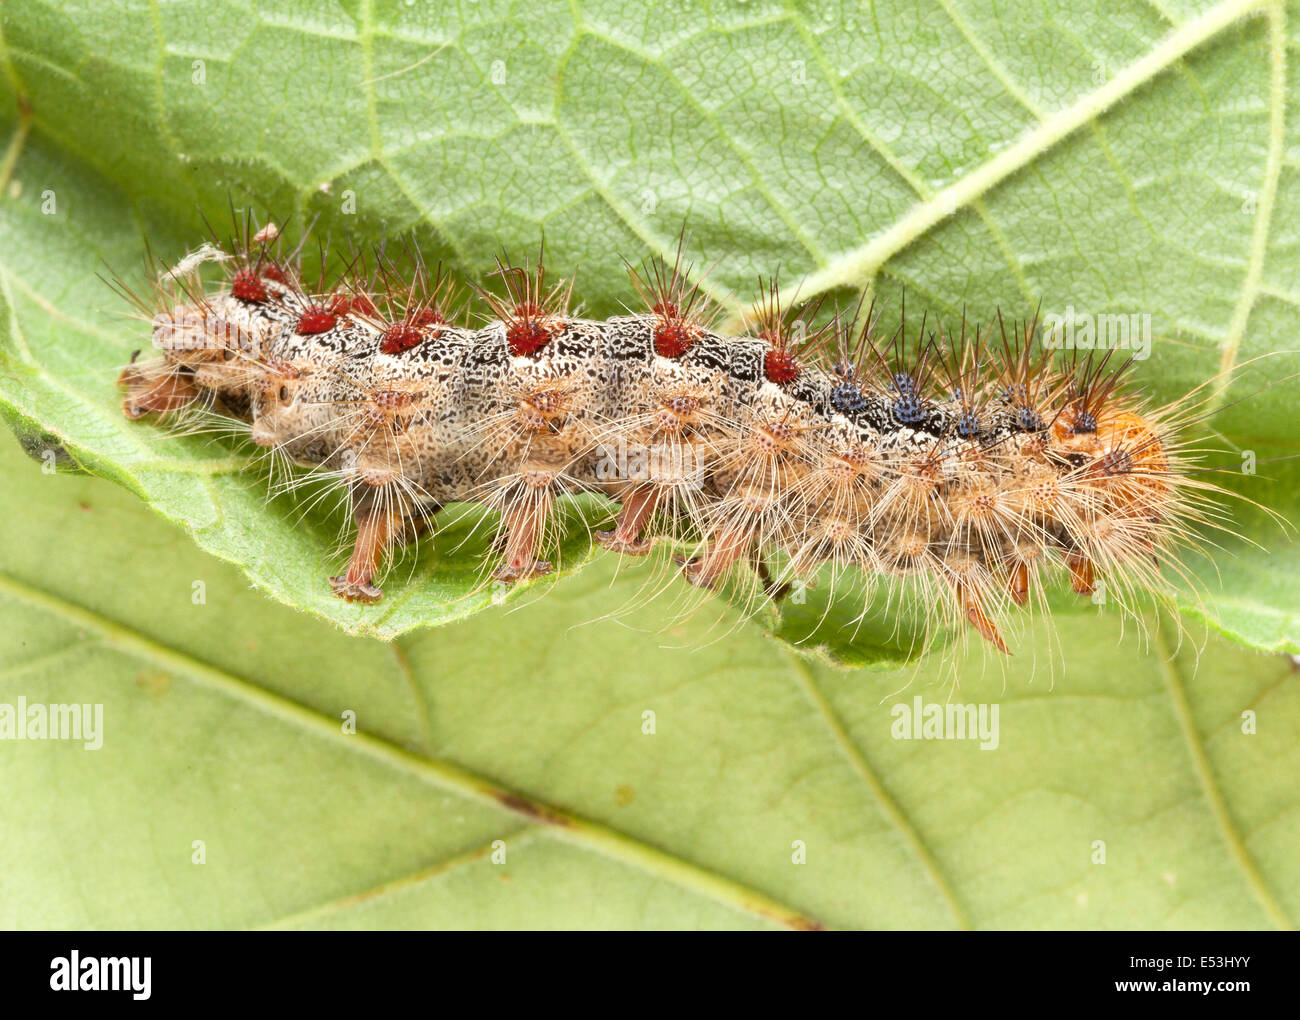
[974, 461]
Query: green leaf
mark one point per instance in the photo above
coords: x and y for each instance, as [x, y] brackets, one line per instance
[223, 735]
[1131, 159]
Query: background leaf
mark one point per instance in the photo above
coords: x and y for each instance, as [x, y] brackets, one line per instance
[1121, 158]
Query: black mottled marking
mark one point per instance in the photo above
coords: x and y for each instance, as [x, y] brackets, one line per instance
[630, 340]
[487, 351]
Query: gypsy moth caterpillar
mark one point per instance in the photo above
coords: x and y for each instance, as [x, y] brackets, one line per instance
[975, 460]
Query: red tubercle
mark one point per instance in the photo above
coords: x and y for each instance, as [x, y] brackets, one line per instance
[342, 304]
[672, 339]
[271, 271]
[246, 285]
[780, 366]
[401, 336]
[315, 319]
[426, 317]
[526, 336]
[673, 335]
[530, 313]
[419, 324]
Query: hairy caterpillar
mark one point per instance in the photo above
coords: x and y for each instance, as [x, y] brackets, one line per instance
[978, 463]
